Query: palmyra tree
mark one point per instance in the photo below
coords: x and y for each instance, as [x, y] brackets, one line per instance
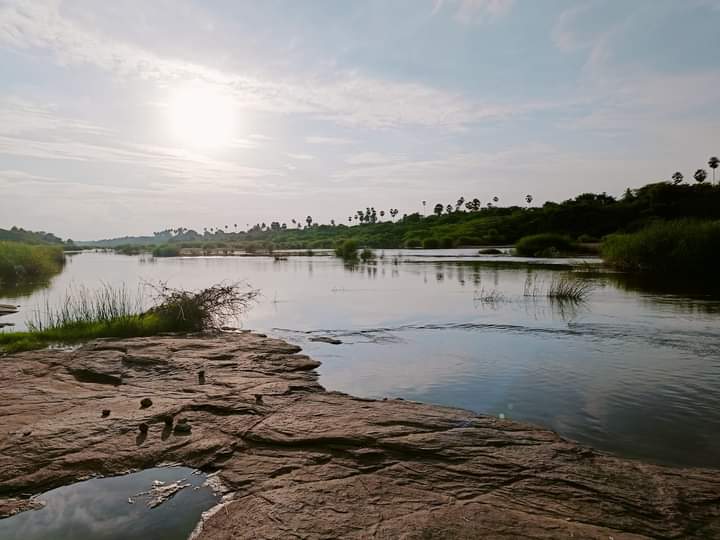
[713, 163]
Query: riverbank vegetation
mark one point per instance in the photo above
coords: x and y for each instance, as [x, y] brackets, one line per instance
[585, 219]
[24, 263]
[119, 313]
[681, 247]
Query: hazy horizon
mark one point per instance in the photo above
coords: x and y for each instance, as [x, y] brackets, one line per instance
[123, 119]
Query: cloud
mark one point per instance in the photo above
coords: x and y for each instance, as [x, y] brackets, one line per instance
[328, 140]
[344, 96]
[302, 157]
[475, 11]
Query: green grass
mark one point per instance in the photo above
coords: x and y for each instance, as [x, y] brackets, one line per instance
[118, 313]
[23, 262]
[681, 248]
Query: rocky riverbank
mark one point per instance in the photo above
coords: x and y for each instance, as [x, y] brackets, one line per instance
[296, 461]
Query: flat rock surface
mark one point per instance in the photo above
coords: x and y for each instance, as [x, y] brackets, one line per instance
[296, 461]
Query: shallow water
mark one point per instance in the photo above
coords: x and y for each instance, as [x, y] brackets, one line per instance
[98, 509]
[632, 372]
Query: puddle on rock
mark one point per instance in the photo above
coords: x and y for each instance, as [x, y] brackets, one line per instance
[119, 507]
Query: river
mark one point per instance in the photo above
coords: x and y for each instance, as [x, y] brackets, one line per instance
[629, 371]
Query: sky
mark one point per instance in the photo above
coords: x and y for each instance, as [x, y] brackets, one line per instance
[124, 118]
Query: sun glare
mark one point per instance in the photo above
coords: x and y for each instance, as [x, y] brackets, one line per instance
[201, 115]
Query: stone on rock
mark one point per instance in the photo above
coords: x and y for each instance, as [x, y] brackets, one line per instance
[145, 403]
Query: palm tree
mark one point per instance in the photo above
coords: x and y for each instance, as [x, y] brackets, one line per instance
[382, 214]
[677, 178]
[495, 199]
[424, 203]
[438, 209]
[713, 163]
[700, 176]
[308, 220]
[332, 222]
[448, 208]
[459, 203]
[529, 199]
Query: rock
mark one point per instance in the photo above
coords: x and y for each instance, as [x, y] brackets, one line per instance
[315, 464]
[167, 420]
[258, 398]
[201, 376]
[145, 403]
[143, 428]
[105, 413]
[326, 339]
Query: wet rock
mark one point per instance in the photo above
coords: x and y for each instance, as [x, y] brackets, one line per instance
[315, 464]
[258, 398]
[201, 376]
[143, 428]
[105, 413]
[145, 403]
[326, 339]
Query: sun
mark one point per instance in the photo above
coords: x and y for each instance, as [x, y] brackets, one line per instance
[201, 115]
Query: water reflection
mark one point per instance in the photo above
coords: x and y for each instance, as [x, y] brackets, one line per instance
[635, 373]
[99, 509]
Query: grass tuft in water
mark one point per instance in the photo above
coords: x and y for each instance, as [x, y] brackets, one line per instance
[569, 288]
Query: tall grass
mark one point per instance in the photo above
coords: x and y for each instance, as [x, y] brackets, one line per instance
[683, 247]
[118, 312]
[24, 262]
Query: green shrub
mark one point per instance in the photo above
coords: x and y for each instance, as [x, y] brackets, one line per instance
[673, 247]
[544, 245]
[431, 243]
[23, 262]
[412, 243]
[367, 254]
[587, 239]
[166, 251]
[347, 249]
[446, 242]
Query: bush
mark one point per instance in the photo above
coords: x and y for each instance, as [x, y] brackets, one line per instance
[23, 262]
[446, 242]
[367, 254]
[587, 239]
[412, 243]
[431, 243]
[544, 245]
[672, 247]
[347, 249]
[166, 251]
